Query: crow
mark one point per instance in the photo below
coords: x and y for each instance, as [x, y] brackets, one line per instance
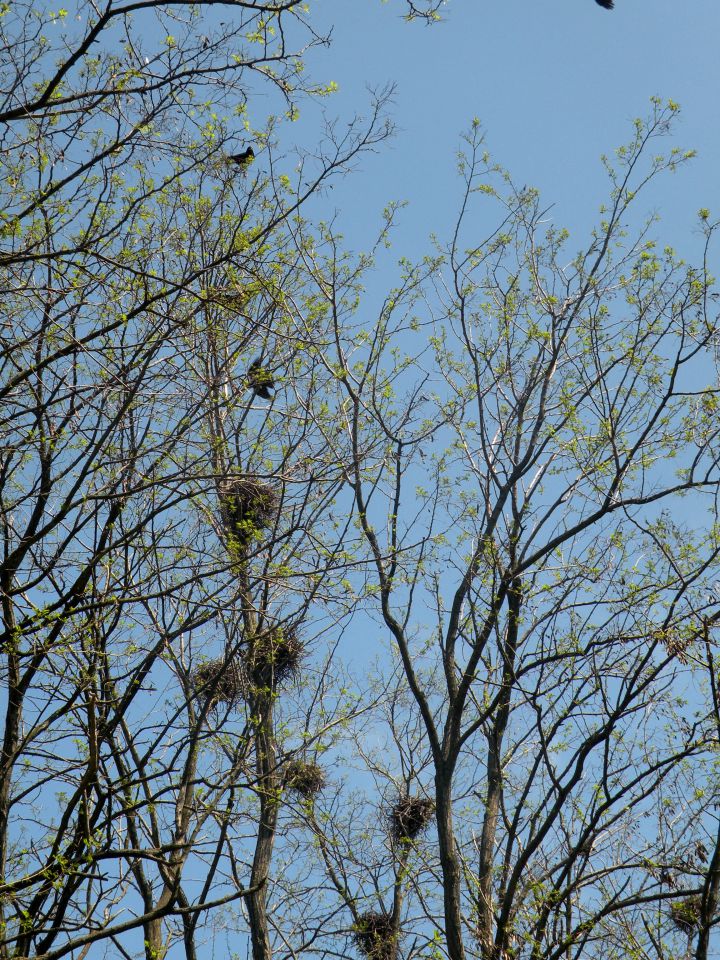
[606, 4]
[243, 159]
[260, 380]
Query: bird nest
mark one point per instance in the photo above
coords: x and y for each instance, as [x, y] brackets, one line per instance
[274, 657]
[304, 778]
[221, 680]
[231, 296]
[375, 936]
[247, 505]
[685, 914]
[410, 816]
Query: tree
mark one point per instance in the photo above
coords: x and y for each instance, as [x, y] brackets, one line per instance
[137, 284]
[535, 477]
[124, 576]
[503, 472]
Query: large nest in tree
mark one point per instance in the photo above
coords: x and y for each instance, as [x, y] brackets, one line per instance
[222, 680]
[274, 657]
[375, 937]
[247, 505]
[233, 296]
[304, 778]
[410, 816]
[685, 914]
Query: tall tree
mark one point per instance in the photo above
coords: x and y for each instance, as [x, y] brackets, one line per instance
[140, 628]
[540, 511]
[513, 470]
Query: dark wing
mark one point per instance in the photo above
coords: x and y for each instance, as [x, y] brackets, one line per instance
[260, 380]
[243, 158]
[605, 4]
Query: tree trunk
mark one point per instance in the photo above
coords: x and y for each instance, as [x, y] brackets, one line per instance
[494, 774]
[266, 763]
[449, 863]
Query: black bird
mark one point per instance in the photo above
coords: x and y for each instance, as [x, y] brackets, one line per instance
[605, 4]
[243, 159]
[260, 380]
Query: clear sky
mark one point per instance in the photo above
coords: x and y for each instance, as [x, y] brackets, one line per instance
[555, 84]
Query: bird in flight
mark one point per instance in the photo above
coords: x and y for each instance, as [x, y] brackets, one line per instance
[605, 4]
[260, 380]
[247, 156]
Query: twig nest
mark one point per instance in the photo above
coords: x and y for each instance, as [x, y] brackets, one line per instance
[304, 778]
[410, 816]
[222, 680]
[274, 657]
[685, 914]
[232, 296]
[375, 936]
[247, 505]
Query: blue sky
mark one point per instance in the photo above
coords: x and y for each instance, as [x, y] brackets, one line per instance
[555, 84]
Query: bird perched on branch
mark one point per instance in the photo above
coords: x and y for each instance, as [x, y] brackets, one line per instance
[260, 380]
[605, 4]
[243, 159]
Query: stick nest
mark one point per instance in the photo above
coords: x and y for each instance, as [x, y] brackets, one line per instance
[222, 680]
[234, 296]
[375, 936]
[247, 505]
[410, 816]
[274, 657]
[685, 914]
[304, 778]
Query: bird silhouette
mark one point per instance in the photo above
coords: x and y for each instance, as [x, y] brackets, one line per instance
[245, 158]
[605, 4]
[260, 380]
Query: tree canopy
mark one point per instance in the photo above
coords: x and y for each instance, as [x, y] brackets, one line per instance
[331, 630]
